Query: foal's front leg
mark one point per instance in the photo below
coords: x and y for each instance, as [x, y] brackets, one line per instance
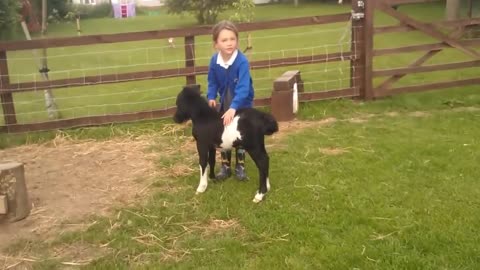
[203, 158]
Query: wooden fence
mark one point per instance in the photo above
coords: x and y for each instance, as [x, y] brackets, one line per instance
[361, 58]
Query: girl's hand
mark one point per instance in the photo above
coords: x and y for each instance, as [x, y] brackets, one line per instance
[212, 103]
[228, 116]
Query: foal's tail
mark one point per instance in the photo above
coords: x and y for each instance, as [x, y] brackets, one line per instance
[270, 125]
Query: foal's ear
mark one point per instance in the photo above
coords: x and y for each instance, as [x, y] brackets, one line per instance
[193, 88]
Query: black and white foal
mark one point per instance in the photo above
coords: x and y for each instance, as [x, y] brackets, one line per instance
[248, 130]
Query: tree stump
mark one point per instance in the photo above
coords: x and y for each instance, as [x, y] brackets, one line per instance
[14, 202]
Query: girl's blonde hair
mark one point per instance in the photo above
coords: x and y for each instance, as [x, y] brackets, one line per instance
[228, 25]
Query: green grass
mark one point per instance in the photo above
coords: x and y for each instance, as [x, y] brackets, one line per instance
[393, 199]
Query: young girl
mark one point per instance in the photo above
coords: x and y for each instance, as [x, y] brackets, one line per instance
[229, 77]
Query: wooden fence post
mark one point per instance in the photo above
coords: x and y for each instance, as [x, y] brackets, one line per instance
[284, 101]
[362, 47]
[190, 58]
[6, 97]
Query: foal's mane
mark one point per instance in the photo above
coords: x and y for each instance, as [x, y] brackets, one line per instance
[199, 104]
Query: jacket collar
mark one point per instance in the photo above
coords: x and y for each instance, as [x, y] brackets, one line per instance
[230, 61]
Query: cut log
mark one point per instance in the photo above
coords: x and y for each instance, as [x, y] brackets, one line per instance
[3, 205]
[13, 187]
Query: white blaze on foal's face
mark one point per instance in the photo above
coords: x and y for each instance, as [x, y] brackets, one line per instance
[231, 134]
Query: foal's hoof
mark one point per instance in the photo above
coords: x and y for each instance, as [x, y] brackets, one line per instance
[258, 197]
[201, 189]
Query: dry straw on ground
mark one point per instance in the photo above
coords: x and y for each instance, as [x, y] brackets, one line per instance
[68, 179]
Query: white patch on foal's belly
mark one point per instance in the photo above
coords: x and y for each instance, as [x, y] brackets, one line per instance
[230, 134]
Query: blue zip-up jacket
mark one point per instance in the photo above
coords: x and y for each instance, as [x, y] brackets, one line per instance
[237, 78]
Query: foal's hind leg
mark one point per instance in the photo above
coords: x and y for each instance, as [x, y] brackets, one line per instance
[203, 157]
[261, 159]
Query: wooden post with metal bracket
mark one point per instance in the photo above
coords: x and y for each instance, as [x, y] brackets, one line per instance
[284, 97]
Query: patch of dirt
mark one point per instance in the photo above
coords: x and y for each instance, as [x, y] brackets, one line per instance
[69, 180]
[289, 127]
[392, 114]
[173, 252]
[357, 120]
[332, 151]
[78, 253]
[419, 114]
[218, 225]
[70, 256]
[362, 118]
[466, 109]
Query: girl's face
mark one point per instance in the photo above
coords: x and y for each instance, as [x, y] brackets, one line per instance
[226, 42]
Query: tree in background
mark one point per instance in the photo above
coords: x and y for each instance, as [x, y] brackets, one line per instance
[244, 12]
[205, 11]
[56, 9]
[9, 18]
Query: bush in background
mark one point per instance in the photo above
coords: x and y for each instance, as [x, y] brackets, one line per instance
[92, 11]
[9, 18]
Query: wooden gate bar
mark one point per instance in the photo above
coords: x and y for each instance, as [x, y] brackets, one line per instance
[417, 69]
[408, 28]
[403, 2]
[388, 82]
[427, 30]
[423, 47]
[426, 87]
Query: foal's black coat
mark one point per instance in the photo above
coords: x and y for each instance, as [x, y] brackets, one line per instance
[208, 128]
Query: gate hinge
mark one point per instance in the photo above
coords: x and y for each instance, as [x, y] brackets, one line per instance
[357, 15]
